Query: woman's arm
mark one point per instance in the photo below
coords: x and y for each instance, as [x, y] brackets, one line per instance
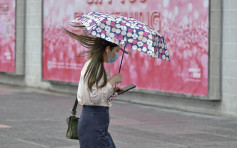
[99, 95]
[102, 94]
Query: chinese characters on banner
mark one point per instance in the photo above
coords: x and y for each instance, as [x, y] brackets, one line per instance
[7, 35]
[183, 23]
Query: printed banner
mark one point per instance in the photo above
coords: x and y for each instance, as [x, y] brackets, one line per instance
[183, 23]
[7, 35]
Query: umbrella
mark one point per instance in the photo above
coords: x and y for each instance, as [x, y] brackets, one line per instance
[126, 32]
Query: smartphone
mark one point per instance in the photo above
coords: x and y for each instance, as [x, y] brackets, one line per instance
[127, 88]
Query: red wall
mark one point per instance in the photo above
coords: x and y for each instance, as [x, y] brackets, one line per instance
[7, 35]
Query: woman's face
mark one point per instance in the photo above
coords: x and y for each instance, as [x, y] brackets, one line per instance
[110, 53]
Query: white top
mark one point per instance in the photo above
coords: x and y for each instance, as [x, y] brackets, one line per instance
[97, 96]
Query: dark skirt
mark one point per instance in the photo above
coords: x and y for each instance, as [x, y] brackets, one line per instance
[93, 128]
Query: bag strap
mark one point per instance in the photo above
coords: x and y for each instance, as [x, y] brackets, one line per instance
[74, 109]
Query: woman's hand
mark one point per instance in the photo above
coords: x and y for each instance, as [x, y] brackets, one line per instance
[118, 89]
[117, 78]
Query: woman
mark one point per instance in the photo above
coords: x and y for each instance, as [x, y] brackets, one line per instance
[94, 91]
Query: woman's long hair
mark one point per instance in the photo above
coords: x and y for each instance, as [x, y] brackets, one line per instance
[96, 48]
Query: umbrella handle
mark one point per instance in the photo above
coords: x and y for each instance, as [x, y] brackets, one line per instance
[121, 63]
[122, 58]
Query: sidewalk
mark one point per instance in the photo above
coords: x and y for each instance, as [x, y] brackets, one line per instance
[31, 118]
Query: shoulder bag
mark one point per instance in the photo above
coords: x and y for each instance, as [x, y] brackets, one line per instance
[72, 122]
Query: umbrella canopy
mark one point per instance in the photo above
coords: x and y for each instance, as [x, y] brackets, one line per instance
[126, 32]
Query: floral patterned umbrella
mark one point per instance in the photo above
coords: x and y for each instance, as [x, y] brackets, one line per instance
[126, 32]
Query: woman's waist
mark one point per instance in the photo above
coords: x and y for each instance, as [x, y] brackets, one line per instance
[86, 102]
[93, 108]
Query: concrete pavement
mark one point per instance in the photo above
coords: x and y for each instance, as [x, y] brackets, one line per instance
[32, 118]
